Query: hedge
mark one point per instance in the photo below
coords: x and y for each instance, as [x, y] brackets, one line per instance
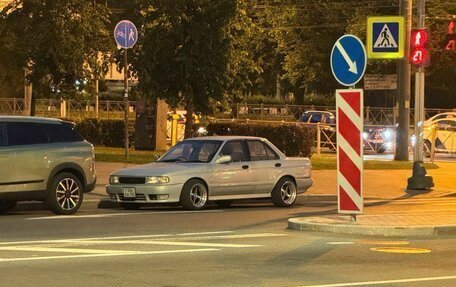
[109, 133]
[292, 139]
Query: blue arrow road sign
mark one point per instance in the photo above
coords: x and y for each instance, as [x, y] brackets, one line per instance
[125, 34]
[348, 60]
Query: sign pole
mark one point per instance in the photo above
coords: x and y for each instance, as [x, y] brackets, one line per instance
[126, 36]
[403, 92]
[419, 180]
[126, 103]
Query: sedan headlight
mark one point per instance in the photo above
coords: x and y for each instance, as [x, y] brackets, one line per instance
[157, 179]
[113, 179]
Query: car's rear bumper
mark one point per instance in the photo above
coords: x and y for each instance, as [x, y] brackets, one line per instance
[146, 193]
[303, 184]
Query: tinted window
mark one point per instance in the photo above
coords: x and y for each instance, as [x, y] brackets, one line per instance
[23, 133]
[260, 151]
[235, 150]
[316, 118]
[2, 135]
[62, 132]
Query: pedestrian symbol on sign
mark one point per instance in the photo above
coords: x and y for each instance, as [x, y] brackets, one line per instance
[386, 37]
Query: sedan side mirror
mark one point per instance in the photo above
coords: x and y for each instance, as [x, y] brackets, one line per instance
[224, 159]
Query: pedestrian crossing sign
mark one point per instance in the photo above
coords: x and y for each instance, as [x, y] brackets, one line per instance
[385, 37]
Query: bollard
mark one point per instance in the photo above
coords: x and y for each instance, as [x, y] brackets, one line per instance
[433, 138]
[318, 139]
[174, 127]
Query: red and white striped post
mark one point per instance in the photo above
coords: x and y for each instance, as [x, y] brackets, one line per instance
[349, 110]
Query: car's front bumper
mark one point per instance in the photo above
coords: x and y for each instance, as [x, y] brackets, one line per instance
[145, 193]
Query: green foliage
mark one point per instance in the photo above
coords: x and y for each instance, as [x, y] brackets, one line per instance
[109, 133]
[184, 55]
[58, 41]
[293, 140]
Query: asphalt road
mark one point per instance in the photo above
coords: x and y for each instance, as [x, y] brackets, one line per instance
[245, 245]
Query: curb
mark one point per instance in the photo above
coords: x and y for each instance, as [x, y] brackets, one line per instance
[349, 228]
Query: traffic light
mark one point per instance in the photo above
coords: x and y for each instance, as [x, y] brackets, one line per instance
[419, 51]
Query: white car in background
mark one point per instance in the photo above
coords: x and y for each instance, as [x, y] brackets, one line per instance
[444, 136]
[442, 116]
[216, 168]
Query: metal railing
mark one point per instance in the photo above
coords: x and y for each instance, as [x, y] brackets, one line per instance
[115, 109]
[69, 108]
[372, 115]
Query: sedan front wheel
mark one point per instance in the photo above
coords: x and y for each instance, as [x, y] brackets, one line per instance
[194, 195]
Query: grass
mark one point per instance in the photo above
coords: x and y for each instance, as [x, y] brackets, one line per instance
[109, 154]
[321, 162]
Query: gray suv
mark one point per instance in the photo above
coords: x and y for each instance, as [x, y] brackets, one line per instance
[44, 159]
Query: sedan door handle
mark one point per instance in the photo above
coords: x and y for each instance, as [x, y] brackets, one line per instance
[245, 167]
[278, 164]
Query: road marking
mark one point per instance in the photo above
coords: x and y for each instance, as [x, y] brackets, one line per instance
[401, 250]
[119, 214]
[383, 242]
[112, 237]
[65, 250]
[340, 243]
[366, 283]
[173, 243]
[105, 255]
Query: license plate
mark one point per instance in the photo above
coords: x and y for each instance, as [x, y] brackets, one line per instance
[129, 192]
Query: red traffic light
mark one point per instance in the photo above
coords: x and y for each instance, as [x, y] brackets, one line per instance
[419, 53]
[418, 38]
[418, 56]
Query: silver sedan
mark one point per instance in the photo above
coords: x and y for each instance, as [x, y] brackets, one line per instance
[220, 169]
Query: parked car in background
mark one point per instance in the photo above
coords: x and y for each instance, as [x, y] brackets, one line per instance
[441, 116]
[216, 168]
[444, 130]
[377, 139]
[323, 117]
[44, 159]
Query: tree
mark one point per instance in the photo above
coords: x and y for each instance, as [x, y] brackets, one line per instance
[57, 41]
[184, 52]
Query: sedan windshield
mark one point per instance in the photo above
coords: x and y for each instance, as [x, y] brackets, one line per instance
[192, 151]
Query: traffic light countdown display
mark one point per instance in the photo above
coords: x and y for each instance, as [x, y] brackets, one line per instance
[419, 51]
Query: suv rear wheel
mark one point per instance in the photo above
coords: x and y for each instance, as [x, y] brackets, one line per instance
[66, 194]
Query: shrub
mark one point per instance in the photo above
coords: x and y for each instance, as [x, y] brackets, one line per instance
[110, 133]
[292, 139]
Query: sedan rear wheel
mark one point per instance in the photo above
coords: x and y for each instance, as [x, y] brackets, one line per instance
[194, 195]
[66, 193]
[284, 193]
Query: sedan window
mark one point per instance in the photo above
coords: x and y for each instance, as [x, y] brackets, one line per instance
[192, 151]
[235, 150]
[260, 151]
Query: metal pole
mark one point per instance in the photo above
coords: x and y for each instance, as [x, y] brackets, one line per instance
[96, 99]
[404, 87]
[126, 102]
[419, 180]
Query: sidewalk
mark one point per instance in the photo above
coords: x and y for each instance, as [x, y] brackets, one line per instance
[390, 210]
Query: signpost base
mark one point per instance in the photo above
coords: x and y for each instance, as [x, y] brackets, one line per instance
[353, 217]
[419, 180]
